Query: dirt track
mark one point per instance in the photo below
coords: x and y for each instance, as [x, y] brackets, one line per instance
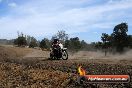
[97, 57]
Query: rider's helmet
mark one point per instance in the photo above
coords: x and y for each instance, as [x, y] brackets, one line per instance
[55, 41]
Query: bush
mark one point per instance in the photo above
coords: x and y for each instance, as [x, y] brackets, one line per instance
[20, 41]
[33, 44]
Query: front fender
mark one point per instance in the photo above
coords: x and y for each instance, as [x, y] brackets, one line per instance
[64, 49]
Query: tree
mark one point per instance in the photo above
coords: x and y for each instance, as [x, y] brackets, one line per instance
[120, 37]
[45, 44]
[61, 35]
[28, 38]
[33, 42]
[84, 45]
[74, 44]
[98, 45]
[130, 41]
[67, 43]
[106, 42]
[20, 41]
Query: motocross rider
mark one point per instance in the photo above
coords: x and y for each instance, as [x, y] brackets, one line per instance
[57, 49]
[57, 42]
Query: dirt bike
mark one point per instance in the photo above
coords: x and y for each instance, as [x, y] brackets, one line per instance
[58, 53]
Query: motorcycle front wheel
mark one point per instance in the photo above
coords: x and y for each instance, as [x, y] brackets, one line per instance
[64, 55]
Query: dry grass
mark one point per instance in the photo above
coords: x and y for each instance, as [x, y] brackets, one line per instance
[15, 51]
